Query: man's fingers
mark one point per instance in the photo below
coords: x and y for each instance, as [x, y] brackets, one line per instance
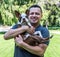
[20, 36]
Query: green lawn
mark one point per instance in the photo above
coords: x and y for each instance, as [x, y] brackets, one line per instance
[53, 49]
[7, 47]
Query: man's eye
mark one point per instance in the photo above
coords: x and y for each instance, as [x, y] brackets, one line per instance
[37, 13]
[31, 13]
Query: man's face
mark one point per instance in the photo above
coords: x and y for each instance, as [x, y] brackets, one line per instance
[35, 15]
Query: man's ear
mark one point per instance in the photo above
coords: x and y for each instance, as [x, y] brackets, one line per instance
[17, 14]
[27, 12]
[41, 15]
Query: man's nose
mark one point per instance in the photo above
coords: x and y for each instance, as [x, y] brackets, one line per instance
[34, 14]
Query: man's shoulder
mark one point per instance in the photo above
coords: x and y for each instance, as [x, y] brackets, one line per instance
[41, 28]
[15, 26]
[45, 33]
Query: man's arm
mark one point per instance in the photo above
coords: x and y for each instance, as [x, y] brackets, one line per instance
[14, 32]
[37, 50]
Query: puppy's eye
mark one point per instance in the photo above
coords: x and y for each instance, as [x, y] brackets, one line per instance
[26, 16]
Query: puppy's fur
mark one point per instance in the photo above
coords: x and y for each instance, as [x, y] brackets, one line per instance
[33, 40]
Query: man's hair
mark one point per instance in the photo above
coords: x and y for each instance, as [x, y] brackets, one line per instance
[35, 6]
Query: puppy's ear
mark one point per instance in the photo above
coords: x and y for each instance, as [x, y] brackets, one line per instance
[17, 14]
[27, 12]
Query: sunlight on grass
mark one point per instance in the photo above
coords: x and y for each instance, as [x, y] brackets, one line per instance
[7, 47]
[53, 49]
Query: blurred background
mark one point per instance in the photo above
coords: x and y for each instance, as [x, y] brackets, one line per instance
[51, 11]
[50, 20]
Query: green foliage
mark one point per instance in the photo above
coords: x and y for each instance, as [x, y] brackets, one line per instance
[54, 28]
[7, 8]
[53, 14]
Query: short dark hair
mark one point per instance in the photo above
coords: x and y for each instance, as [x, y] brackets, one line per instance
[35, 7]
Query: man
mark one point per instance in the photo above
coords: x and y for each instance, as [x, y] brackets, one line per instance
[22, 49]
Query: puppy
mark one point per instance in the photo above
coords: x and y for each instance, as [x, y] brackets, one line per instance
[33, 39]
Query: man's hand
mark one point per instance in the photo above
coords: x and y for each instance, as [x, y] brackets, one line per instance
[18, 40]
[28, 29]
[31, 30]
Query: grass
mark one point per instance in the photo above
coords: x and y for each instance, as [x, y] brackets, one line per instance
[53, 49]
[7, 47]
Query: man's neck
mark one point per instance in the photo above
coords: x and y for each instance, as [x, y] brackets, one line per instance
[35, 25]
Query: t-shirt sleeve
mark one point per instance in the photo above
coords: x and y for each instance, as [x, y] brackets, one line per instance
[14, 27]
[45, 34]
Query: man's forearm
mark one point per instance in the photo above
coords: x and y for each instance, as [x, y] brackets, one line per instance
[33, 49]
[37, 50]
[13, 32]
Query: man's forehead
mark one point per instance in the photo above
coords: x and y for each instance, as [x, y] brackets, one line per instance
[35, 9]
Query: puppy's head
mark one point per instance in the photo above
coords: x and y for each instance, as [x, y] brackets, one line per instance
[23, 18]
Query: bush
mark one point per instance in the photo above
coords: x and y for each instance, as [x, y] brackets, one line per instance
[54, 28]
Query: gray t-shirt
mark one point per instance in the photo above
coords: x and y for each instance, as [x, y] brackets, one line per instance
[19, 52]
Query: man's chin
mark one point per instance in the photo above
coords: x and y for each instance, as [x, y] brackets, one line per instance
[33, 22]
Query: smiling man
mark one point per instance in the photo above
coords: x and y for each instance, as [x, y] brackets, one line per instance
[22, 49]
